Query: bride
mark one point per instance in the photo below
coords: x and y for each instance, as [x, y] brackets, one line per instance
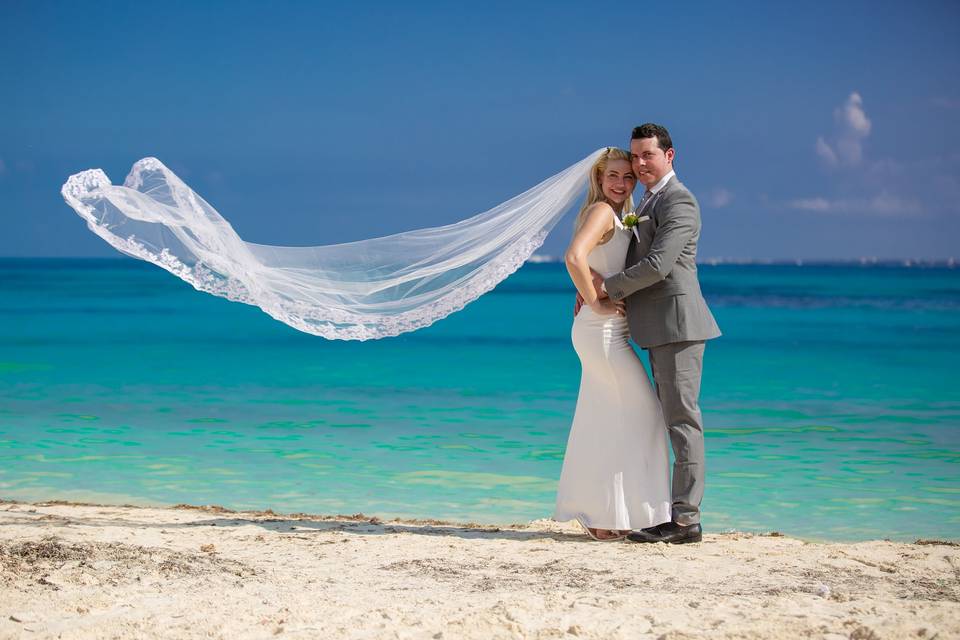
[615, 475]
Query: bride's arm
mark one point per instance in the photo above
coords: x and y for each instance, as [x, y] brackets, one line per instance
[599, 222]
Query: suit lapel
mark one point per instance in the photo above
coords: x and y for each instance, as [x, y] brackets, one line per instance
[647, 208]
[667, 187]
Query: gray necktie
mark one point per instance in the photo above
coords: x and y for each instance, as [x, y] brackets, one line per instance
[643, 202]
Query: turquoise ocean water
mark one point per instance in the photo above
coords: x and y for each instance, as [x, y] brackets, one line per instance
[832, 402]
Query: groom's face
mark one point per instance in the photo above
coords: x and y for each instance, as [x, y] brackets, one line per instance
[650, 162]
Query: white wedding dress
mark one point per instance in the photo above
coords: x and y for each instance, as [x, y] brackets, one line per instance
[616, 467]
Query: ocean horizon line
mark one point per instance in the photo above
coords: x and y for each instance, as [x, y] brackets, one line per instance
[950, 262]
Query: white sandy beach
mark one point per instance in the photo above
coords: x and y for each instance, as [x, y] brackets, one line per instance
[86, 571]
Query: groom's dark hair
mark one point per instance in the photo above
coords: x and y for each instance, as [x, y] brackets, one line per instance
[651, 130]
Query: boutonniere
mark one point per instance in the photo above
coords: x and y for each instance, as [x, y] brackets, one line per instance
[631, 220]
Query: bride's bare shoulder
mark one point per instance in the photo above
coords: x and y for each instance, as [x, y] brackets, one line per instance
[599, 214]
[600, 206]
[596, 226]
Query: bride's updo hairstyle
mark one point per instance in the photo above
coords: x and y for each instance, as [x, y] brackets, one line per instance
[595, 192]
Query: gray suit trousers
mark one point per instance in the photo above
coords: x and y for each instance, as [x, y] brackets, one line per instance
[676, 370]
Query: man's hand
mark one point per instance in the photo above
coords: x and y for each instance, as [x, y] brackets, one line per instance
[598, 284]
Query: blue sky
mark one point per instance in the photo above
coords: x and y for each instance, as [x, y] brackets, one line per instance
[814, 131]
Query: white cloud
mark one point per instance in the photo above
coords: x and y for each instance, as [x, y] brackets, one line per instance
[882, 204]
[811, 204]
[720, 198]
[850, 151]
[853, 127]
[862, 185]
[852, 115]
[825, 152]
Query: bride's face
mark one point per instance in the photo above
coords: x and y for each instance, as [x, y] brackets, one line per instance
[618, 181]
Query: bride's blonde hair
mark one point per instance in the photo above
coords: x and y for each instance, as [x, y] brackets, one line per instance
[595, 192]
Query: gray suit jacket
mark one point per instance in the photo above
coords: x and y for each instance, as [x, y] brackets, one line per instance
[659, 283]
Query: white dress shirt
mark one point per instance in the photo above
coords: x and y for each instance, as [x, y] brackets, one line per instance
[655, 189]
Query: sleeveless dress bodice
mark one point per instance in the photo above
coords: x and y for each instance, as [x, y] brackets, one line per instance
[608, 258]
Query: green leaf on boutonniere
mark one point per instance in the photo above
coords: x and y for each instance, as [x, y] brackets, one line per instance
[630, 221]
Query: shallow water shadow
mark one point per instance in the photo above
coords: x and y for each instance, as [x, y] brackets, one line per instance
[306, 525]
[288, 525]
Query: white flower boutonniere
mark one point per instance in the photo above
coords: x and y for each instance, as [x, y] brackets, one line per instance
[631, 220]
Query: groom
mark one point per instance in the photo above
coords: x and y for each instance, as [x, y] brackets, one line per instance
[669, 318]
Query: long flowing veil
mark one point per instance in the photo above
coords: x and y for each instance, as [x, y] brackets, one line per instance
[354, 291]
